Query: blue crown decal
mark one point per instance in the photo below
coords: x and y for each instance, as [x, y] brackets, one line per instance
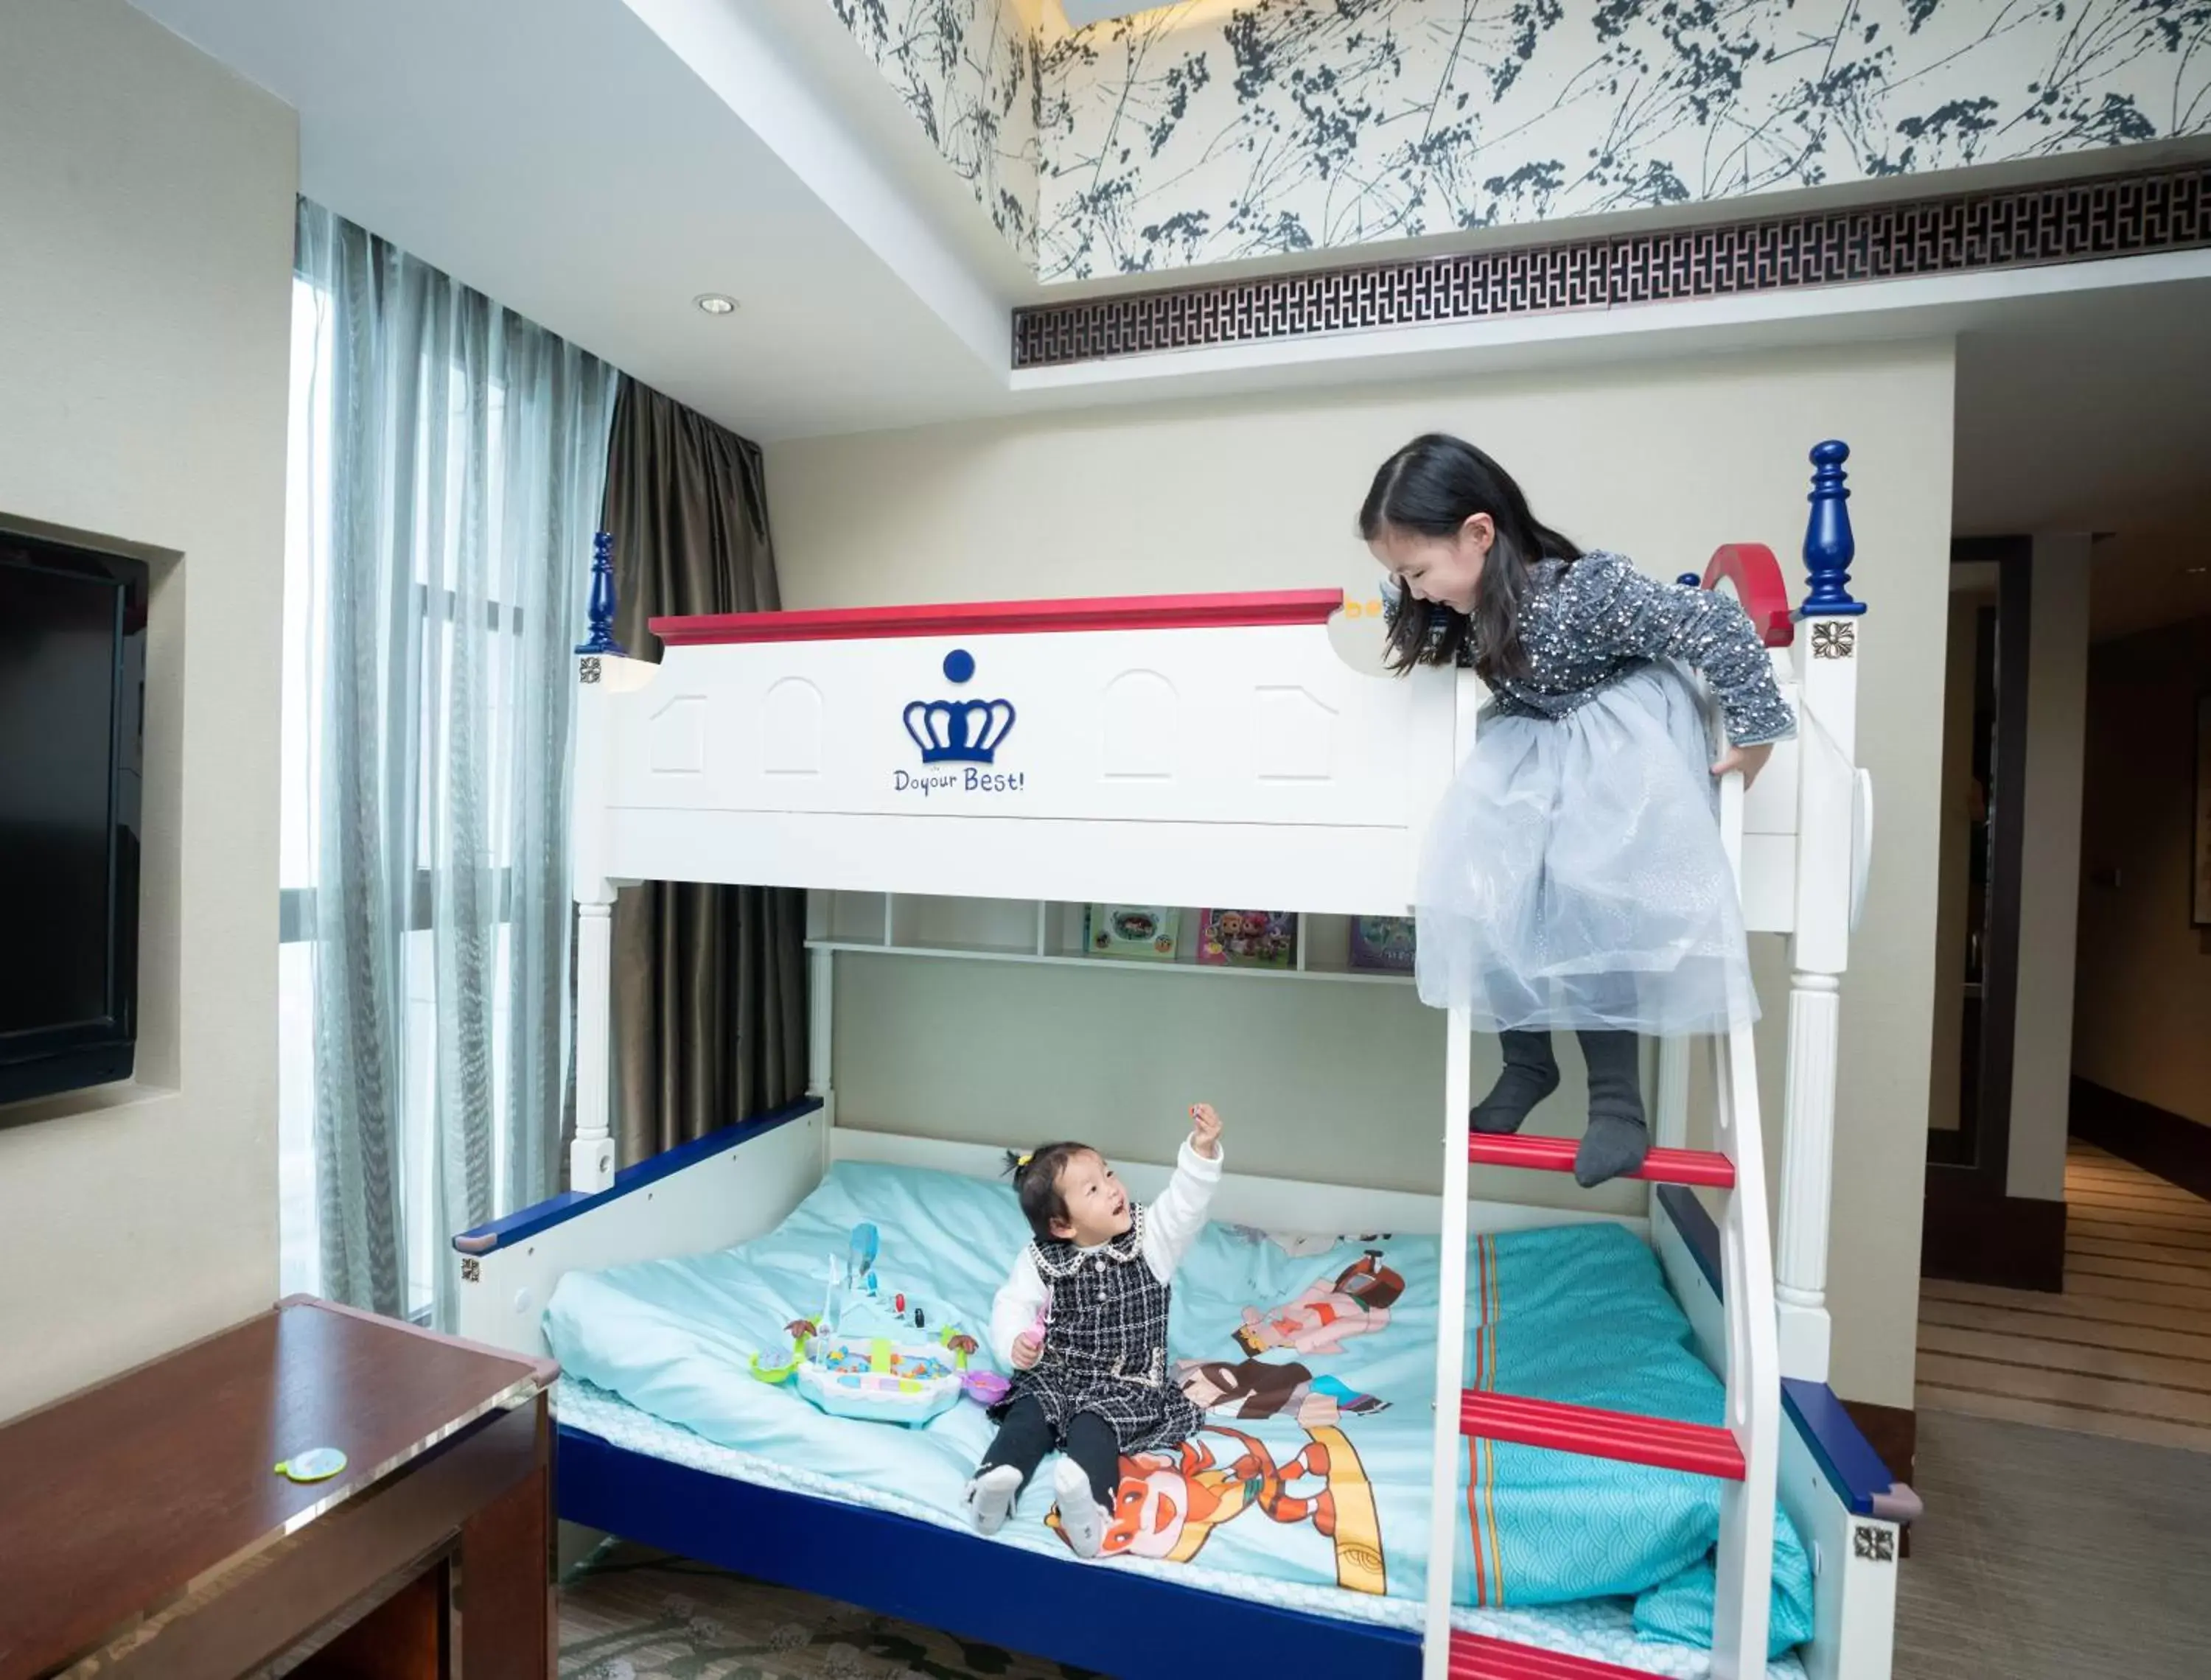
[959, 732]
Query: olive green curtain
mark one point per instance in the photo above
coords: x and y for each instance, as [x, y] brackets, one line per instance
[710, 982]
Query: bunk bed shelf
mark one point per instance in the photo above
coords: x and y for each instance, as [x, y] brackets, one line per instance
[1129, 965]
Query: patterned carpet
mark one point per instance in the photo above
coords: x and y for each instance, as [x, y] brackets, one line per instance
[631, 1615]
[2052, 1555]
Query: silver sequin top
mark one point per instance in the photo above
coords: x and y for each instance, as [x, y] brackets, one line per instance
[1586, 625]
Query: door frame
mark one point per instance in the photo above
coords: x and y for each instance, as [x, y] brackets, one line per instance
[1974, 1231]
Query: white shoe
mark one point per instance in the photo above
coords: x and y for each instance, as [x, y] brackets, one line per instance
[991, 1497]
[1080, 1517]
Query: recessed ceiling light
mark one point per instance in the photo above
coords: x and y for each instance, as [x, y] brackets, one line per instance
[715, 303]
[2197, 571]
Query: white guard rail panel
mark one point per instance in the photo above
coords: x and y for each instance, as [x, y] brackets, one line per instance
[1195, 750]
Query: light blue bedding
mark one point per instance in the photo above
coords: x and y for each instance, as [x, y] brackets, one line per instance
[1329, 1491]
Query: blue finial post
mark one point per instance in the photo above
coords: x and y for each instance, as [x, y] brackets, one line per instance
[1829, 548]
[602, 609]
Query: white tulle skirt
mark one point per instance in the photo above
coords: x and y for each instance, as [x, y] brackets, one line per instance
[1574, 876]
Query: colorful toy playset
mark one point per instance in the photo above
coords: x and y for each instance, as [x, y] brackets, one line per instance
[868, 1358]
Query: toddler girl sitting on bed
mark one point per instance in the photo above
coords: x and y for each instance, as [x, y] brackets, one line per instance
[1083, 1321]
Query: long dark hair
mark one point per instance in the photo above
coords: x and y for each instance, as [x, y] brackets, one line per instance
[1431, 487]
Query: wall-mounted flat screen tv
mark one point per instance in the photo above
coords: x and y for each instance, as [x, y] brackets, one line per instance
[72, 723]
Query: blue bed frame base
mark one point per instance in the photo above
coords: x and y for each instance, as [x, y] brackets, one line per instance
[1096, 1617]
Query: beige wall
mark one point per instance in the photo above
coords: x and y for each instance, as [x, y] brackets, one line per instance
[2142, 1003]
[146, 198]
[2049, 866]
[1663, 461]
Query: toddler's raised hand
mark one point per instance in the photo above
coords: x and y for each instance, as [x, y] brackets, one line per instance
[1205, 1130]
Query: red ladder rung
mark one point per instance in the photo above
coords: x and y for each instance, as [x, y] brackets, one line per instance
[1478, 1657]
[1626, 1436]
[1556, 1155]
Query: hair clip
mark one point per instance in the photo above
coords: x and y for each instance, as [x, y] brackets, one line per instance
[1021, 1161]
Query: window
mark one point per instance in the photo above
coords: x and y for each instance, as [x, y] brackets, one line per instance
[472, 730]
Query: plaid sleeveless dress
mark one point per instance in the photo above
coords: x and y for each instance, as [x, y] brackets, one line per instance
[1105, 1345]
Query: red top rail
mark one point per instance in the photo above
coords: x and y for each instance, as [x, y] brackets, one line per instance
[1007, 618]
[1756, 575]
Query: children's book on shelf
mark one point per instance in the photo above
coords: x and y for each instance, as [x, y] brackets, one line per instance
[1147, 932]
[1382, 943]
[1248, 938]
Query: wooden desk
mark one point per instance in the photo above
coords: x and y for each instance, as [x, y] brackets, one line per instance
[144, 1533]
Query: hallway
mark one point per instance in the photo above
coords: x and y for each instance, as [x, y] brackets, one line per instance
[2125, 1351]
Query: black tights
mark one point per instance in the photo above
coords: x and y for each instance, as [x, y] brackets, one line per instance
[1025, 1437]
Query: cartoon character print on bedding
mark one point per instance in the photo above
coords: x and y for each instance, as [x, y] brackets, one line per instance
[1254, 1390]
[1356, 1301]
[1170, 1502]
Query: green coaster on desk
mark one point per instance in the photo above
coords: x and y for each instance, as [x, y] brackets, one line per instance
[318, 1464]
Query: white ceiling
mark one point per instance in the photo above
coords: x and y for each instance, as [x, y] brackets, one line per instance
[2081, 415]
[2095, 415]
[556, 155]
[2140, 580]
[2137, 581]
[2087, 413]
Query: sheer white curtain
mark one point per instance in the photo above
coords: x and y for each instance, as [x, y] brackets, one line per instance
[447, 462]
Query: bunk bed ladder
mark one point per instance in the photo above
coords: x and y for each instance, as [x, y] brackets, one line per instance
[1742, 1452]
[1745, 1558]
[1445, 1503]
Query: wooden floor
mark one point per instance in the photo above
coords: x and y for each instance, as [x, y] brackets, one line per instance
[2124, 1351]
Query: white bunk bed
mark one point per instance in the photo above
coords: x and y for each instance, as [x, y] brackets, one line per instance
[1193, 751]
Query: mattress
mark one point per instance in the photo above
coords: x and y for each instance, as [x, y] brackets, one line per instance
[1309, 1486]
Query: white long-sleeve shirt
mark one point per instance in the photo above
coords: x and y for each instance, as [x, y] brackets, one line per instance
[1171, 1225]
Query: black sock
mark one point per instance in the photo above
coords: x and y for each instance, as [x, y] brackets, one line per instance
[1530, 1074]
[1617, 1139]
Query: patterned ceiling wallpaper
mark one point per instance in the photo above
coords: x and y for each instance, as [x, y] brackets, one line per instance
[1220, 130]
[967, 71]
